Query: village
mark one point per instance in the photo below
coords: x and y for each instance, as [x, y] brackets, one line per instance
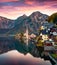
[46, 41]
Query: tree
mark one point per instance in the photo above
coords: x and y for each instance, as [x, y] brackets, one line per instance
[53, 18]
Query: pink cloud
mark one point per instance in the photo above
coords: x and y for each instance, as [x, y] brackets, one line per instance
[8, 0]
[13, 11]
[29, 2]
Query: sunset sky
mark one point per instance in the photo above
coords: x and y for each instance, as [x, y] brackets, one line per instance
[15, 8]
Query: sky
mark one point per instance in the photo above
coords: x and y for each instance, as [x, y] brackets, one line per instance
[12, 9]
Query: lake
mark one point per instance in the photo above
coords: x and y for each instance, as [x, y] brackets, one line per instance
[14, 57]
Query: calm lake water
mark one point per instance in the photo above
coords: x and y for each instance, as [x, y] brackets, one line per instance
[13, 57]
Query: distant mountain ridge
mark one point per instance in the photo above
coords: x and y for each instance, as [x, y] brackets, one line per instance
[33, 22]
[6, 23]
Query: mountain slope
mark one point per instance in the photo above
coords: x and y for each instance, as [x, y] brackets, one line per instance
[32, 22]
[5, 25]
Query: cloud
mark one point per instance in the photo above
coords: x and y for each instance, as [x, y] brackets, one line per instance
[18, 3]
[22, 3]
[51, 4]
[55, 6]
[42, 3]
[7, 0]
[29, 2]
[44, 0]
[15, 8]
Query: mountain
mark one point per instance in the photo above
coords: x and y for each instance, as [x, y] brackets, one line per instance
[5, 24]
[20, 19]
[32, 22]
[35, 20]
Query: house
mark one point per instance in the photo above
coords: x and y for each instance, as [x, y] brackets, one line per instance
[44, 36]
[53, 31]
[48, 46]
[32, 35]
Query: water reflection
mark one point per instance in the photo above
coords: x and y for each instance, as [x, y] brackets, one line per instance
[16, 58]
[13, 57]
